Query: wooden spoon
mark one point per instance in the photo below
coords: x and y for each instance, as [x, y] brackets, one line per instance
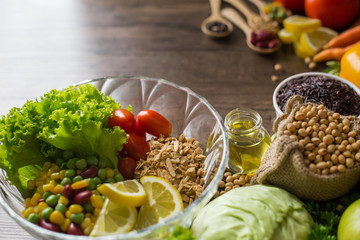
[235, 18]
[260, 6]
[216, 25]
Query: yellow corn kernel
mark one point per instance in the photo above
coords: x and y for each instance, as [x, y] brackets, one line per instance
[36, 209]
[88, 230]
[80, 184]
[62, 174]
[65, 225]
[31, 185]
[75, 208]
[55, 176]
[96, 201]
[85, 223]
[67, 214]
[27, 202]
[109, 173]
[39, 182]
[55, 168]
[35, 198]
[57, 217]
[48, 187]
[46, 166]
[63, 200]
[96, 212]
[58, 189]
[28, 211]
[53, 182]
[41, 206]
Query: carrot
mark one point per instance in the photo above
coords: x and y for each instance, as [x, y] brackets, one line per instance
[331, 54]
[346, 38]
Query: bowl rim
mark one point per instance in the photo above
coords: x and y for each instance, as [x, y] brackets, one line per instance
[142, 233]
[280, 85]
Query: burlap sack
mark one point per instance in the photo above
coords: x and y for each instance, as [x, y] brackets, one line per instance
[283, 164]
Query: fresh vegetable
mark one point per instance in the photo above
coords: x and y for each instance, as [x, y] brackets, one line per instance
[333, 13]
[126, 167]
[254, 212]
[331, 54]
[73, 119]
[350, 65]
[333, 67]
[293, 5]
[122, 118]
[349, 226]
[181, 233]
[137, 147]
[344, 39]
[154, 123]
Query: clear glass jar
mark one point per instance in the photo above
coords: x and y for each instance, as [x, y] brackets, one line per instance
[248, 140]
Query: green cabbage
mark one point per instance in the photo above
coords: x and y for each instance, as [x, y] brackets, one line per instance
[73, 119]
[256, 212]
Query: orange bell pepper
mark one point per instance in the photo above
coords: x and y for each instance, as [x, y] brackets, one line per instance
[350, 65]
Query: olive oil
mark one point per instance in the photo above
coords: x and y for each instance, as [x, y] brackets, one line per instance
[248, 140]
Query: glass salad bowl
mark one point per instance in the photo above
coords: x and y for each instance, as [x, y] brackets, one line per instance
[189, 114]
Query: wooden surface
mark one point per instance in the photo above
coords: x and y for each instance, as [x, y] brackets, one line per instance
[52, 44]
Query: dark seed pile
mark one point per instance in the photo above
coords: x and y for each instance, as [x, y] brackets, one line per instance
[217, 27]
[335, 95]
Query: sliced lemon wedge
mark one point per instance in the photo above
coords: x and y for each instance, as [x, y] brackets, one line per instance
[313, 41]
[163, 201]
[129, 193]
[287, 37]
[114, 218]
[298, 23]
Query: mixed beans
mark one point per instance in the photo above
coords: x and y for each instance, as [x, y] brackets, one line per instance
[330, 145]
[233, 180]
[65, 198]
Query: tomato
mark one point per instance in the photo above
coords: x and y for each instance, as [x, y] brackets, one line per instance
[349, 226]
[122, 118]
[126, 167]
[137, 146]
[138, 130]
[154, 123]
[293, 5]
[332, 13]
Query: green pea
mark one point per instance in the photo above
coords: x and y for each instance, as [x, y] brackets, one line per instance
[46, 195]
[65, 181]
[68, 154]
[91, 185]
[71, 163]
[109, 180]
[77, 178]
[97, 180]
[61, 208]
[77, 217]
[88, 207]
[81, 164]
[102, 173]
[102, 164]
[45, 214]
[59, 161]
[33, 218]
[70, 173]
[118, 178]
[52, 200]
[92, 161]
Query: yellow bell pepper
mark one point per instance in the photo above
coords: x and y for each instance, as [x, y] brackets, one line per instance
[350, 65]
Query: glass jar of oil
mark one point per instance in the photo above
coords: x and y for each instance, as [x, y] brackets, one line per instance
[248, 140]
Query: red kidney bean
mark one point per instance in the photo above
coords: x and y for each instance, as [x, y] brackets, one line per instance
[261, 44]
[74, 229]
[273, 43]
[41, 200]
[81, 197]
[49, 226]
[68, 191]
[89, 173]
[263, 36]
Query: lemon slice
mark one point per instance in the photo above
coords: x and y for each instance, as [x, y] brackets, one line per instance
[298, 23]
[299, 50]
[313, 41]
[130, 192]
[163, 201]
[114, 218]
[287, 37]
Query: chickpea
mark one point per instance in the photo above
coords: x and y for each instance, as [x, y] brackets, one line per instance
[334, 158]
[349, 148]
[336, 116]
[307, 162]
[325, 171]
[351, 140]
[297, 124]
[346, 129]
[316, 127]
[309, 146]
[357, 156]
[322, 113]
[312, 122]
[221, 184]
[309, 130]
[242, 180]
[311, 156]
[346, 122]
[327, 157]
[236, 176]
[347, 154]
[352, 134]
[311, 113]
[228, 189]
[330, 119]
[226, 174]
[322, 151]
[302, 132]
[331, 148]
[300, 116]
[321, 134]
[318, 159]
[287, 132]
[316, 140]
[321, 165]
[328, 130]
[349, 163]
[236, 182]
[355, 146]
[291, 127]
[324, 121]
[329, 164]
[229, 184]
[341, 168]
[312, 167]
[328, 139]
[320, 107]
[333, 169]
[322, 145]
[342, 148]
[335, 132]
[341, 159]
[304, 124]
[314, 134]
[338, 140]
[229, 179]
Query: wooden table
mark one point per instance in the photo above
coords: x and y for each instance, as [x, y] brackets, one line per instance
[52, 44]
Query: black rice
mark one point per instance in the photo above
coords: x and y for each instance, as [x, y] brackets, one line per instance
[335, 95]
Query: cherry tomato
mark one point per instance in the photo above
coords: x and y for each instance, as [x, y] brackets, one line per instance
[138, 130]
[126, 167]
[137, 146]
[154, 123]
[122, 118]
[332, 13]
[293, 5]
